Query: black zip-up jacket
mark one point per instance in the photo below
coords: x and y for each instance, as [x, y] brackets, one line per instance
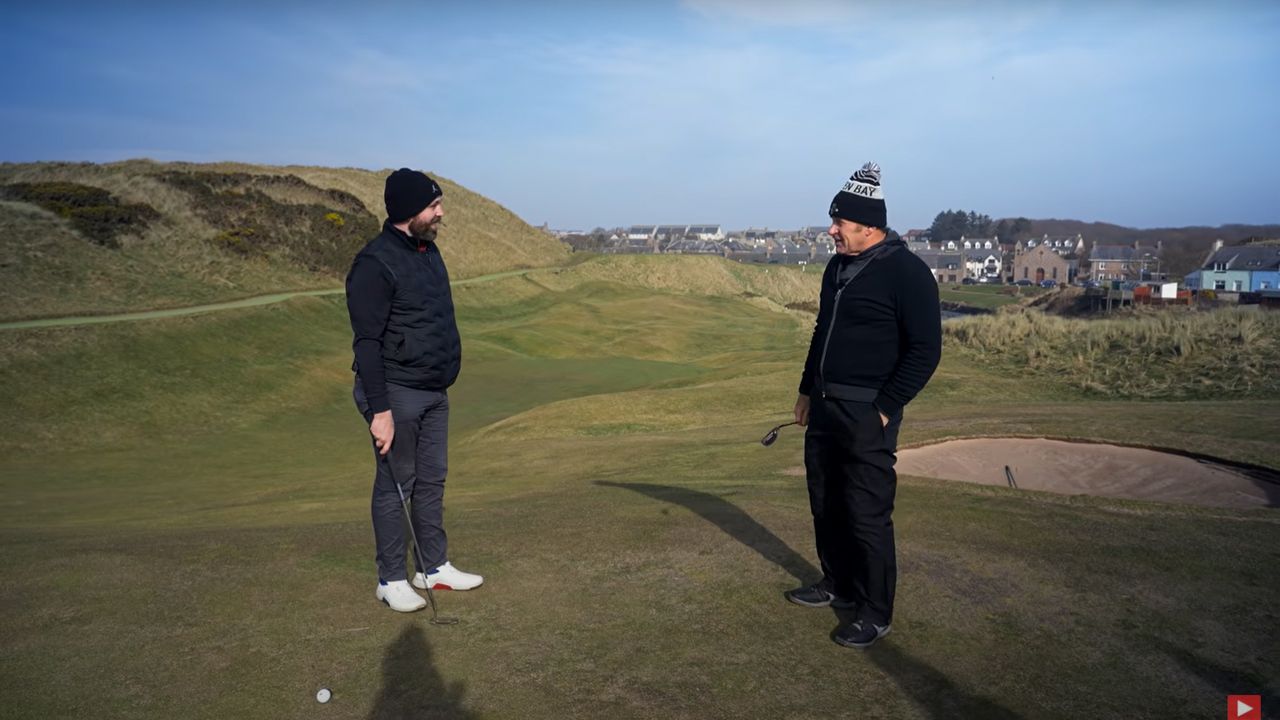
[402, 316]
[881, 331]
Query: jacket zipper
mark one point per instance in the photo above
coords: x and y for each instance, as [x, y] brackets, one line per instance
[822, 364]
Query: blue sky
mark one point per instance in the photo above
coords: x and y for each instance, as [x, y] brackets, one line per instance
[738, 112]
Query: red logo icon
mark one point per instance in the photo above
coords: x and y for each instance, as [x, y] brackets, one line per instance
[1244, 707]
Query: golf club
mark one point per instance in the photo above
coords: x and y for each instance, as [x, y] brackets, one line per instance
[418, 564]
[772, 435]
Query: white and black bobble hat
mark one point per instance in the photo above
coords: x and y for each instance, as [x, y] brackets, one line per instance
[861, 200]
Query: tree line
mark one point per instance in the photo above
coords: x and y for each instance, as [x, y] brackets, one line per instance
[954, 224]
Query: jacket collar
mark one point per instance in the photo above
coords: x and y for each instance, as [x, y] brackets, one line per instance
[892, 240]
[891, 243]
[409, 241]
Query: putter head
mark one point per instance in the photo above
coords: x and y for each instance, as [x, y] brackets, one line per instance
[444, 621]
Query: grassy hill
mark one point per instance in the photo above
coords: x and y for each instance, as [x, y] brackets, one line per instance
[184, 524]
[204, 233]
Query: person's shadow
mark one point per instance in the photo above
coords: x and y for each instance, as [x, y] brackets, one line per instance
[739, 525]
[1226, 680]
[925, 684]
[411, 686]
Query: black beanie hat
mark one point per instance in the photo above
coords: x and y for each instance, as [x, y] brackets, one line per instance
[407, 193]
[860, 200]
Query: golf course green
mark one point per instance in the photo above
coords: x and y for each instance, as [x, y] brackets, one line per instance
[184, 525]
[184, 492]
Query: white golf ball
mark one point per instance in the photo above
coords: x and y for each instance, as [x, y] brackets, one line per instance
[323, 695]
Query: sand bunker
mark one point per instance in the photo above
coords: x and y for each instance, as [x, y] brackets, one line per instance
[1093, 469]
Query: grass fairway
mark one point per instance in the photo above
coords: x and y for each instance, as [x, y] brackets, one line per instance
[987, 296]
[184, 514]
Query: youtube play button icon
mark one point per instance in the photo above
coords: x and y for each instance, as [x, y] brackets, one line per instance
[1244, 707]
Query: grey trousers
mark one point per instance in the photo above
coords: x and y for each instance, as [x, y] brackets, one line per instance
[418, 460]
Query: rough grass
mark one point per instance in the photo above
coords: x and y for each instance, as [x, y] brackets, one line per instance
[184, 508]
[49, 270]
[93, 212]
[480, 235]
[281, 219]
[1222, 353]
[226, 231]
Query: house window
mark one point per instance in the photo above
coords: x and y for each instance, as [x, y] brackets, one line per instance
[1235, 285]
[1055, 273]
[1219, 284]
[1102, 266]
[1024, 273]
[951, 278]
[1266, 285]
[1219, 267]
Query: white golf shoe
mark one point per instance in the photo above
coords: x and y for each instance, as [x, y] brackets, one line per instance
[448, 577]
[399, 596]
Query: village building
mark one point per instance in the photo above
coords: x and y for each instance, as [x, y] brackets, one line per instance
[1238, 268]
[983, 265]
[1124, 262]
[1041, 263]
[947, 267]
[1066, 245]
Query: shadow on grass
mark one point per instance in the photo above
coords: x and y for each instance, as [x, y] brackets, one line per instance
[926, 685]
[1226, 680]
[411, 686]
[729, 518]
[939, 696]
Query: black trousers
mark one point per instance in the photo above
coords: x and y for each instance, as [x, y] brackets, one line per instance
[419, 461]
[849, 458]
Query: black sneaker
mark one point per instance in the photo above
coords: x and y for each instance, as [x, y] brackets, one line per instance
[818, 595]
[860, 634]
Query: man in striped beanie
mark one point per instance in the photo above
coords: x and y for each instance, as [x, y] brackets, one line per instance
[876, 342]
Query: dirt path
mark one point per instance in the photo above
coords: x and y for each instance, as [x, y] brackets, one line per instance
[212, 307]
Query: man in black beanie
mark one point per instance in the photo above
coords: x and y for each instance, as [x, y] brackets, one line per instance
[407, 354]
[876, 342]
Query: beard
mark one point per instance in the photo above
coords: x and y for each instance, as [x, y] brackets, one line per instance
[423, 229]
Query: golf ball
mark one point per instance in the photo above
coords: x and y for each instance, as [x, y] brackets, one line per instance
[323, 695]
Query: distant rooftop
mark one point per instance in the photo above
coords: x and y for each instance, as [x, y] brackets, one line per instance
[1247, 257]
